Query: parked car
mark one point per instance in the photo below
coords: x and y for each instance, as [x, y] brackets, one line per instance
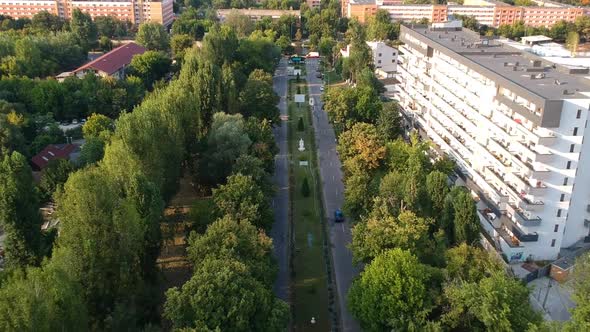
[318, 75]
[321, 88]
[338, 216]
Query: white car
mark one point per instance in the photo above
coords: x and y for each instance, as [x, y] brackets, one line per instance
[321, 88]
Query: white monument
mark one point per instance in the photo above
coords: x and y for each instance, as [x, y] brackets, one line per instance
[301, 147]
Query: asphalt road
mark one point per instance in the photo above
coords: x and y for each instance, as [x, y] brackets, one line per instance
[280, 202]
[333, 197]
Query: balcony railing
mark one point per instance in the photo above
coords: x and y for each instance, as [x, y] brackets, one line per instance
[525, 218]
[517, 232]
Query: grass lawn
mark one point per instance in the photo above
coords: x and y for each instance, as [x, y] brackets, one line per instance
[332, 77]
[309, 278]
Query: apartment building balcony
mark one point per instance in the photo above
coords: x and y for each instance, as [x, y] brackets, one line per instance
[490, 223]
[516, 107]
[461, 73]
[458, 93]
[453, 111]
[537, 188]
[450, 138]
[544, 137]
[536, 172]
[522, 201]
[523, 217]
[528, 205]
[513, 229]
[544, 157]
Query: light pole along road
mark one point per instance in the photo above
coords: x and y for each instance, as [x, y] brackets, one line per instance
[333, 198]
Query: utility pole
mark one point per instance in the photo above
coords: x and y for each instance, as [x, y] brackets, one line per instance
[547, 293]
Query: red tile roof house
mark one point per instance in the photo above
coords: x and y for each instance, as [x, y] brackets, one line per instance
[55, 151]
[112, 64]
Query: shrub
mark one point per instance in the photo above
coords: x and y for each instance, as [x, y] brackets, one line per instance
[300, 126]
[305, 188]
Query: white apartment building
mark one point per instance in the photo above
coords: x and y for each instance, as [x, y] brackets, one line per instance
[384, 56]
[515, 125]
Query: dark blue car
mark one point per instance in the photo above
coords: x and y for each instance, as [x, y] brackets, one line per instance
[338, 216]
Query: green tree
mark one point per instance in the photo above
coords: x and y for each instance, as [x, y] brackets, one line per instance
[470, 264]
[583, 27]
[389, 121]
[42, 299]
[242, 199]
[101, 241]
[179, 43]
[380, 27]
[83, 29]
[581, 295]
[559, 30]
[105, 44]
[572, 41]
[242, 24]
[92, 151]
[300, 126]
[391, 193]
[326, 48]
[229, 239]
[54, 175]
[44, 21]
[150, 67]
[466, 221]
[97, 125]
[240, 302]
[363, 143]
[305, 188]
[19, 211]
[111, 27]
[391, 293]
[153, 36]
[11, 136]
[258, 97]
[407, 232]
[438, 189]
[360, 187]
[497, 302]
[264, 146]
[226, 141]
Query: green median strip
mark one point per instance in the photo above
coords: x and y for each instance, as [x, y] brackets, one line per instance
[310, 296]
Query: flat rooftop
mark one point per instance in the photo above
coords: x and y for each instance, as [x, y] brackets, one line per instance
[539, 76]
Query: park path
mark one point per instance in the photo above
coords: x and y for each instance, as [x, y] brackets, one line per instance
[333, 198]
[280, 202]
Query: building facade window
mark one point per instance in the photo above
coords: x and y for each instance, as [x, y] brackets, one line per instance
[558, 213]
[572, 147]
[553, 243]
[562, 198]
[556, 228]
[575, 133]
[579, 114]
[565, 181]
[568, 165]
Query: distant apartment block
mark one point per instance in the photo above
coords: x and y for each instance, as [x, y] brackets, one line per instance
[135, 11]
[258, 14]
[514, 123]
[489, 12]
[313, 3]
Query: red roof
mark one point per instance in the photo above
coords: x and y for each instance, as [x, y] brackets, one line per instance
[53, 151]
[114, 60]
